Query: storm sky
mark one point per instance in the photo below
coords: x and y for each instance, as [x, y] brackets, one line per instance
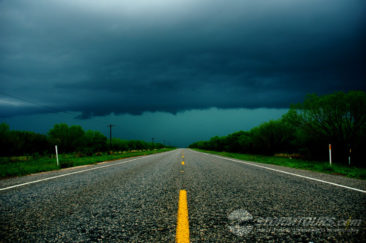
[93, 62]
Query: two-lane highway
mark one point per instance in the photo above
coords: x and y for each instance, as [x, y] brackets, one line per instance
[137, 200]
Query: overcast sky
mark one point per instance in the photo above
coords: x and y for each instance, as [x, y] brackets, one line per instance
[92, 62]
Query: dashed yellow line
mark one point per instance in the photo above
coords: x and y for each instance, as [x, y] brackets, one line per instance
[182, 234]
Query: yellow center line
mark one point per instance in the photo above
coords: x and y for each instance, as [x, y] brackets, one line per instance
[182, 234]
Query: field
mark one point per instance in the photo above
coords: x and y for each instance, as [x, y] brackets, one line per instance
[24, 165]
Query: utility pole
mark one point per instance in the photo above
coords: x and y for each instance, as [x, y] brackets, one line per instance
[110, 134]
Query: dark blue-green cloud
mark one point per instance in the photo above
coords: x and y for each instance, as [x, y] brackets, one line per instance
[103, 57]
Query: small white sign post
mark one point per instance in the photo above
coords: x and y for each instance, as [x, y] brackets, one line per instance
[349, 157]
[330, 154]
[56, 155]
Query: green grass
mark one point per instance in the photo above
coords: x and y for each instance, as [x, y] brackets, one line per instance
[24, 165]
[353, 172]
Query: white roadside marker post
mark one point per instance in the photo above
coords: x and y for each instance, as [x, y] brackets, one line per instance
[349, 157]
[330, 154]
[56, 155]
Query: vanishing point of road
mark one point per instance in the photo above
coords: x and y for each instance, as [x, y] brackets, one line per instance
[182, 196]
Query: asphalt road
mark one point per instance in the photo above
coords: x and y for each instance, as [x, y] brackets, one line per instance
[136, 200]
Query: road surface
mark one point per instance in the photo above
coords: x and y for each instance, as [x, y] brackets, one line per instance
[137, 199]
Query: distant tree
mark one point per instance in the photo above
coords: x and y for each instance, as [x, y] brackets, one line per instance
[217, 143]
[24, 142]
[94, 141]
[76, 137]
[338, 119]
[4, 128]
[124, 145]
[307, 128]
[69, 139]
[234, 142]
[119, 144]
[245, 143]
[199, 144]
[58, 135]
[21, 142]
[271, 137]
[4, 139]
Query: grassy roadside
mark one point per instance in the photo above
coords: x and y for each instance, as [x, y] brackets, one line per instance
[352, 172]
[28, 165]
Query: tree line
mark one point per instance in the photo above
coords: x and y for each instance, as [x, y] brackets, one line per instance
[68, 138]
[306, 130]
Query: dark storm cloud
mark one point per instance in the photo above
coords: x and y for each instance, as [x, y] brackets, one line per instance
[102, 57]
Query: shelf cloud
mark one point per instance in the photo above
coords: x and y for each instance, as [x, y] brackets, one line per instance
[103, 57]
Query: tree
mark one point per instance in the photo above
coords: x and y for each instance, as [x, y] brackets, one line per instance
[232, 142]
[307, 128]
[69, 139]
[94, 141]
[271, 137]
[21, 142]
[338, 119]
[4, 139]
